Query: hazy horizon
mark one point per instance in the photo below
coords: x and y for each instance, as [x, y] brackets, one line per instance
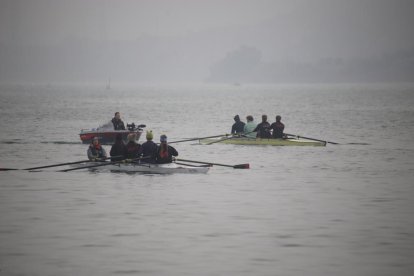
[206, 41]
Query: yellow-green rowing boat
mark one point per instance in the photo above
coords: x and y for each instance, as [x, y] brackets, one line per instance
[258, 141]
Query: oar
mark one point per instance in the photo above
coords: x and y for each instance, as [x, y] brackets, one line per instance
[55, 165]
[69, 163]
[237, 135]
[199, 138]
[104, 164]
[309, 138]
[240, 166]
[91, 166]
[196, 166]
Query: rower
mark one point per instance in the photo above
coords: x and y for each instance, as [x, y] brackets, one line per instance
[277, 128]
[148, 149]
[238, 126]
[118, 149]
[117, 122]
[132, 147]
[263, 129]
[249, 127]
[95, 151]
[165, 152]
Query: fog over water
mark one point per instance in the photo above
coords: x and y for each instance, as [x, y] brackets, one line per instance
[340, 70]
[215, 41]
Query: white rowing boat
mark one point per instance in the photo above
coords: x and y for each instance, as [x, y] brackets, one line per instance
[146, 168]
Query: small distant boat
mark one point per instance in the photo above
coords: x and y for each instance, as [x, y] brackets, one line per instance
[108, 85]
[258, 141]
[107, 134]
[170, 168]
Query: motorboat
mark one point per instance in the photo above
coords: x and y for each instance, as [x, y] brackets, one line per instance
[106, 133]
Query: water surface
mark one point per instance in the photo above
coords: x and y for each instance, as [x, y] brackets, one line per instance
[338, 210]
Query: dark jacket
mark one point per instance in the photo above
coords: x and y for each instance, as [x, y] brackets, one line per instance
[165, 154]
[118, 124]
[132, 150]
[277, 129]
[149, 150]
[238, 127]
[263, 130]
[119, 150]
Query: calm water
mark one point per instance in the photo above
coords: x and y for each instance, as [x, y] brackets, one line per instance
[340, 210]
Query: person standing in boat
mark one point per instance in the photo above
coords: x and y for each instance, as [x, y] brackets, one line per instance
[263, 129]
[96, 151]
[277, 128]
[249, 127]
[238, 126]
[117, 122]
[165, 152]
[148, 149]
[118, 149]
[132, 147]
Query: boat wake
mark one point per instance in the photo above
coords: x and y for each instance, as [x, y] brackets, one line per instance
[24, 142]
[358, 144]
[62, 142]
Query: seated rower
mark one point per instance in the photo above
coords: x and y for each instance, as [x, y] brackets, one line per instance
[249, 127]
[95, 151]
[132, 147]
[263, 129]
[165, 152]
[277, 128]
[118, 149]
[148, 149]
[238, 126]
[117, 122]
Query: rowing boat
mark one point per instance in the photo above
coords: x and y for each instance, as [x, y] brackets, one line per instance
[170, 168]
[258, 141]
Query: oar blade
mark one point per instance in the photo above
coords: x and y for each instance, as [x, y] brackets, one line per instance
[242, 166]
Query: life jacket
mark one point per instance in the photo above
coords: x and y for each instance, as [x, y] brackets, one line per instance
[165, 154]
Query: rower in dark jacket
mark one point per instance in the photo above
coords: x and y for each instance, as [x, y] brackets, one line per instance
[165, 152]
[263, 129]
[117, 122]
[238, 126]
[277, 128]
[132, 147]
[148, 149]
[118, 149]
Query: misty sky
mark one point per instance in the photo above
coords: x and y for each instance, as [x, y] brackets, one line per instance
[196, 40]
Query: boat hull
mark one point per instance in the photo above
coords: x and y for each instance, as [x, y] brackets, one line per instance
[106, 137]
[170, 168]
[269, 142]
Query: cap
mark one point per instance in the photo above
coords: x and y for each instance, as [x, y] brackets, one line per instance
[149, 136]
[163, 138]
